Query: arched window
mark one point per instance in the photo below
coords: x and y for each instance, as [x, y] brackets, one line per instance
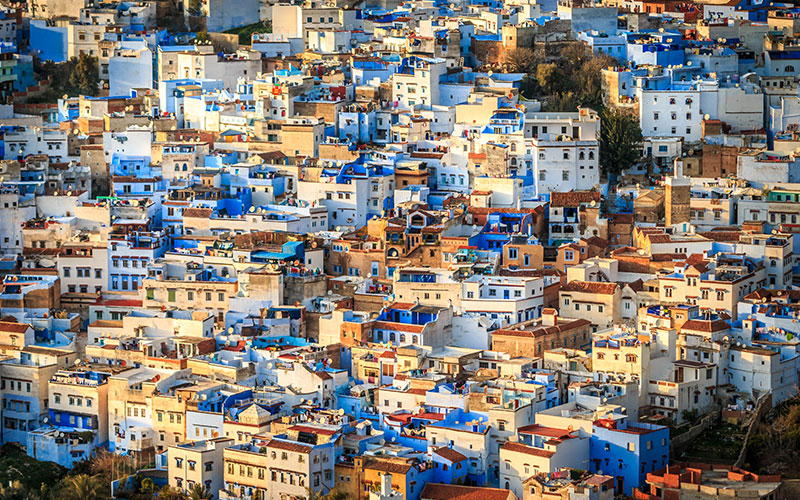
[591, 155]
[790, 69]
[581, 155]
[392, 336]
[513, 147]
[185, 167]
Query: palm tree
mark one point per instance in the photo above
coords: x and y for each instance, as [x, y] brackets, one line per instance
[148, 486]
[82, 487]
[200, 492]
[170, 493]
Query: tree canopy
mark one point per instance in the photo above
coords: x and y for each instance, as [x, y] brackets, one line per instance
[620, 141]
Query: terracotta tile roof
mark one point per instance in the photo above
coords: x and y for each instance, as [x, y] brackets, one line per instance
[398, 327]
[407, 306]
[665, 257]
[387, 466]
[450, 454]
[6, 326]
[564, 325]
[528, 450]
[622, 218]
[201, 213]
[453, 492]
[529, 273]
[106, 323]
[540, 430]
[659, 238]
[764, 293]
[597, 241]
[288, 446]
[637, 286]
[695, 258]
[722, 235]
[313, 430]
[590, 287]
[574, 198]
[700, 325]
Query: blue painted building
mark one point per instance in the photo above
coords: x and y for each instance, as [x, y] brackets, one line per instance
[628, 451]
[49, 42]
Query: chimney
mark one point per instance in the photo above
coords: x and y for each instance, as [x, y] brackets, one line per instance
[386, 485]
[549, 317]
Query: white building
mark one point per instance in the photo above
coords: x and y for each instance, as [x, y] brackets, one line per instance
[417, 82]
[680, 110]
[503, 300]
[564, 152]
[347, 203]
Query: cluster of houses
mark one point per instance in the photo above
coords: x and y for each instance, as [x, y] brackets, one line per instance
[350, 256]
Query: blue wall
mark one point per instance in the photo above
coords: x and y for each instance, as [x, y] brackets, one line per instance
[49, 42]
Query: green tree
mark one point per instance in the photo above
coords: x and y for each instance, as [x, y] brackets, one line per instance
[83, 75]
[195, 8]
[148, 486]
[565, 101]
[200, 492]
[520, 60]
[550, 78]
[620, 141]
[170, 493]
[81, 487]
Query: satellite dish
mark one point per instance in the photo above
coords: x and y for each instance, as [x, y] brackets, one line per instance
[707, 116]
[341, 411]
